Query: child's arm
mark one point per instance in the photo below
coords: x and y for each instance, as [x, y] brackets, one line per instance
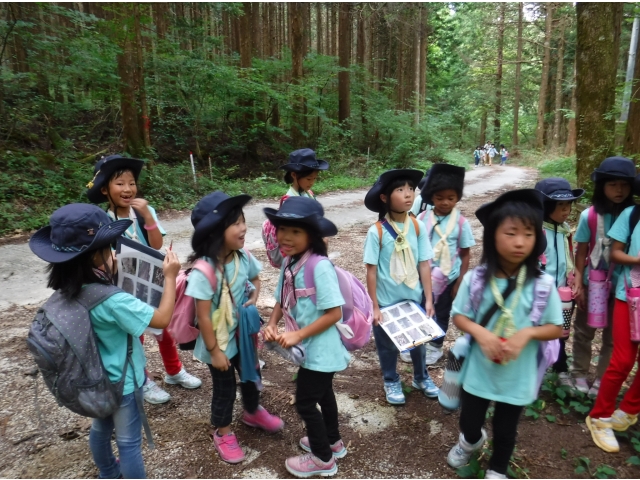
[514, 345]
[219, 360]
[578, 284]
[618, 256]
[155, 237]
[464, 268]
[489, 342]
[372, 281]
[162, 315]
[330, 317]
[425, 277]
[253, 298]
[271, 330]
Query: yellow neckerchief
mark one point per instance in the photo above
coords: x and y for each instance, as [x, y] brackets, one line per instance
[222, 317]
[402, 265]
[441, 252]
[294, 193]
[505, 326]
[565, 230]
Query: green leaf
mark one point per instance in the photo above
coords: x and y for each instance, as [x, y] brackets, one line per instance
[580, 469]
[564, 410]
[635, 460]
[561, 393]
[563, 453]
[607, 469]
[551, 418]
[466, 472]
[585, 460]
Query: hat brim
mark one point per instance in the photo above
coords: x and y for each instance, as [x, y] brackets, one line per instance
[211, 220]
[597, 175]
[94, 194]
[325, 227]
[40, 242]
[299, 167]
[576, 194]
[372, 199]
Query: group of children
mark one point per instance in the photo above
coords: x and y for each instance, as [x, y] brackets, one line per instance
[484, 155]
[418, 250]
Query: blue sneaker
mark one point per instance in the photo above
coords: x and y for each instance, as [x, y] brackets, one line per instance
[427, 386]
[393, 390]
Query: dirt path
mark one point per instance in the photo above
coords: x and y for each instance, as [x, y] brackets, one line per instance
[383, 441]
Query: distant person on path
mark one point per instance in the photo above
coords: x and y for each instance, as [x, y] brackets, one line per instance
[477, 155]
[504, 154]
[492, 153]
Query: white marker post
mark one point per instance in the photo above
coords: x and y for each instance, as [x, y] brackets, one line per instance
[210, 169]
[193, 167]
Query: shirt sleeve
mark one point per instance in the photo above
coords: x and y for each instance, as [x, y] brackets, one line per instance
[198, 286]
[553, 312]
[425, 251]
[583, 232]
[620, 229]
[255, 267]
[461, 304]
[466, 235]
[328, 293]
[372, 246]
[129, 313]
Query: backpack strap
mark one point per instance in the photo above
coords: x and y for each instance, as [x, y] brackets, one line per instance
[633, 220]
[207, 270]
[592, 221]
[95, 293]
[541, 291]
[309, 289]
[137, 394]
[476, 286]
[284, 197]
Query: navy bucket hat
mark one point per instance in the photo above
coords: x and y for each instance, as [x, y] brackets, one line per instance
[103, 170]
[438, 171]
[302, 210]
[73, 230]
[615, 168]
[210, 211]
[558, 189]
[372, 200]
[304, 159]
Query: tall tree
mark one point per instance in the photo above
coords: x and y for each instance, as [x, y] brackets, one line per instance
[598, 42]
[544, 82]
[632, 132]
[145, 121]
[334, 29]
[557, 114]
[570, 147]
[298, 50]
[498, 106]
[518, 81]
[344, 87]
[319, 30]
[423, 56]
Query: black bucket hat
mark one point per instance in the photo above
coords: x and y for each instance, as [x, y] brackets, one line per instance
[423, 182]
[302, 210]
[304, 159]
[210, 211]
[372, 200]
[558, 189]
[431, 182]
[615, 168]
[103, 170]
[74, 229]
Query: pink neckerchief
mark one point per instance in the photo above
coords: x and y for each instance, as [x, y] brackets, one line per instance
[288, 291]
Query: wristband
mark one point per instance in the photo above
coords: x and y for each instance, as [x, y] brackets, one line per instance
[212, 348]
[151, 227]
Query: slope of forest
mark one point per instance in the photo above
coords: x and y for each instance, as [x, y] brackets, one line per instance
[368, 85]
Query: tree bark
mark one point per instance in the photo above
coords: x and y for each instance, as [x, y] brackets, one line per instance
[557, 114]
[631, 145]
[133, 138]
[516, 101]
[483, 128]
[298, 48]
[544, 83]
[256, 30]
[498, 106]
[319, 29]
[423, 57]
[570, 147]
[597, 48]
[334, 29]
[361, 54]
[145, 121]
[344, 92]
[415, 94]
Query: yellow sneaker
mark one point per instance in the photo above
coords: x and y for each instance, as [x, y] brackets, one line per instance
[621, 421]
[602, 434]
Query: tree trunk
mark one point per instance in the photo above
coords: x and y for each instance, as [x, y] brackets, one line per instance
[516, 101]
[145, 121]
[298, 48]
[597, 48]
[631, 145]
[400, 68]
[542, 96]
[344, 100]
[361, 54]
[319, 29]
[498, 107]
[133, 138]
[256, 31]
[415, 94]
[483, 128]
[570, 147]
[334, 29]
[273, 30]
[558, 115]
[423, 57]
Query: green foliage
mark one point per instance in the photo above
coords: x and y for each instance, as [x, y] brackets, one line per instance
[583, 465]
[564, 167]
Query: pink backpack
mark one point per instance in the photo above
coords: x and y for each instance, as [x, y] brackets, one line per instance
[357, 312]
[270, 240]
[182, 326]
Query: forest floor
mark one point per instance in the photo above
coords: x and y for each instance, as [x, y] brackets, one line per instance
[38, 439]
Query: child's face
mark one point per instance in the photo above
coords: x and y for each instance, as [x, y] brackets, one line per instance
[235, 233]
[562, 211]
[105, 258]
[293, 240]
[444, 201]
[305, 183]
[617, 190]
[514, 240]
[401, 198]
[121, 190]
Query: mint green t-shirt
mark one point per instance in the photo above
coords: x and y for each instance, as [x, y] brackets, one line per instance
[620, 232]
[199, 288]
[515, 382]
[115, 318]
[556, 257]
[135, 227]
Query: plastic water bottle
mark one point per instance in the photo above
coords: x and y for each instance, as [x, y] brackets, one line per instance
[295, 354]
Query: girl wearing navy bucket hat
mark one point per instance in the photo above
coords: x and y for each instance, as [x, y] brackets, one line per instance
[302, 172]
[115, 181]
[226, 342]
[77, 246]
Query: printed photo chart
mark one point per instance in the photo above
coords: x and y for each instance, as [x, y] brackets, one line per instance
[408, 325]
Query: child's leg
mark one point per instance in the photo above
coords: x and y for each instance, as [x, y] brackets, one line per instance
[583, 335]
[631, 401]
[250, 393]
[505, 430]
[561, 364]
[224, 394]
[387, 354]
[169, 353]
[472, 416]
[311, 388]
[329, 408]
[100, 445]
[443, 312]
[128, 426]
[622, 361]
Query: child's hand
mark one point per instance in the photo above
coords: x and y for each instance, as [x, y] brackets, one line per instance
[142, 206]
[513, 346]
[171, 265]
[270, 333]
[491, 346]
[578, 295]
[377, 316]
[219, 360]
[289, 339]
[428, 307]
[252, 299]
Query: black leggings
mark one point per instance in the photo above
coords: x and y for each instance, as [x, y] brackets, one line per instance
[505, 427]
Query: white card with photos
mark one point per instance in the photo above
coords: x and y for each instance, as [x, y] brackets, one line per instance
[409, 326]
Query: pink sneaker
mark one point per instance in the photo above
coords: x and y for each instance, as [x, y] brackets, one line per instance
[308, 465]
[338, 448]
[263, 419]
[227, 447]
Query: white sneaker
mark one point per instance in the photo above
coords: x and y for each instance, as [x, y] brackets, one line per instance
[461, 452]
[595, 388]
[581, 385]
[154, 394]
[565, 380]
[602, 434]
[183, 379]
[405, 357]
[492, 474]
[433, 354]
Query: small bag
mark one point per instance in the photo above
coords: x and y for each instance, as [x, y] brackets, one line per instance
[568, 304]
[599, 289]
[270, 239]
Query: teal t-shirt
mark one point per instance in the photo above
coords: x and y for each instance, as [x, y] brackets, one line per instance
[620, 232]
[135, 227]
[325, 351]
[583, 235]
[115, 318]
[387, 290]
[556, 257]
[466, 239]
[199, 288]
[515, 382]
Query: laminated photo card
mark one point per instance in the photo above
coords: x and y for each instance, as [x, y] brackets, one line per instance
[408, 325]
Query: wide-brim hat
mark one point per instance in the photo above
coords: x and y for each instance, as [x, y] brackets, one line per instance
[615, 168]
[302, 210]
[103, 170]
[558, 189]
[73, 230]
[304, 159]
[210, 211]
[372, 200]
[431, 182]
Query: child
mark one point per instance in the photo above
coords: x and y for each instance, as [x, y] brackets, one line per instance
[301, 228]
[398, 270]
[477, 153]
[115, 181]
[611, 195]
[450, 243]
[491, 153]
[302, 172]
[218, 238]
[76, 244]
[604, 418]
[504, 154]
[501, 365]
[559, 251]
